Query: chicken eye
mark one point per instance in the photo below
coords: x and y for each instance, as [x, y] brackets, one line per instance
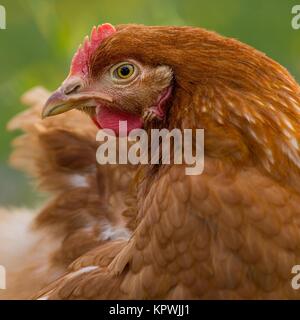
[123, 71]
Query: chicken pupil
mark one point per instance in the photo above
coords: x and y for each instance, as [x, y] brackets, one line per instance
[125, 71]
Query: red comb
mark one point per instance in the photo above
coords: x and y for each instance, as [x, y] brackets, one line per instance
[80, 60]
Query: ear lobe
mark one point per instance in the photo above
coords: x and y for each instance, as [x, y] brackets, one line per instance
[81, 58]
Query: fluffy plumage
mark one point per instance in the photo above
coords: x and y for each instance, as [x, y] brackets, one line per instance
[85, 202]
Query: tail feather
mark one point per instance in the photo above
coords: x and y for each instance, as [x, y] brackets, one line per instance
[53, 150]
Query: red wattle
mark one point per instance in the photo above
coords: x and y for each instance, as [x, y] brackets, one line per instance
[107, 118]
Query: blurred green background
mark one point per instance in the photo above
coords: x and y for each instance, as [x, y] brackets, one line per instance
[42, 36]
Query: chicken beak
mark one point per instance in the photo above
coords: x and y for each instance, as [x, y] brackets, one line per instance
[71, 95]
[56, 104]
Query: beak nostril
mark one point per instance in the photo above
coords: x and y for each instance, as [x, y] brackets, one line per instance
[71, 89]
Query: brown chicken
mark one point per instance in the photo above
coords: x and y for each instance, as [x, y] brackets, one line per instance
[232, 232]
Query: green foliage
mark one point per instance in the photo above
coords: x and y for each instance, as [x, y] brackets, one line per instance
[42, 35]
